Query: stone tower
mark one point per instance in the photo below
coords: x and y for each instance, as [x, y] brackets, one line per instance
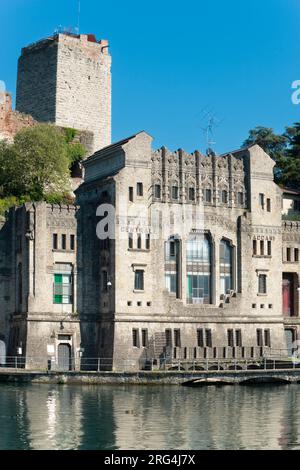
[66, 79]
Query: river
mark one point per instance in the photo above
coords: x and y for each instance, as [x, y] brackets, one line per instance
[149, 417]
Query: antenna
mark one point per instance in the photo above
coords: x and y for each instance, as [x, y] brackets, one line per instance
[212, 122]
[78, 17]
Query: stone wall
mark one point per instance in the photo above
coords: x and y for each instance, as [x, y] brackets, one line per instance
[11, 121]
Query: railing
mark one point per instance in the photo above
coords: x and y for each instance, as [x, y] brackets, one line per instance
[203, 359]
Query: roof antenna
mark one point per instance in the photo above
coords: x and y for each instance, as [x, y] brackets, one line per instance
[211, 123]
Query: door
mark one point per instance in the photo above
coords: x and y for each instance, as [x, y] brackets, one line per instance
[64, 356]
[2, 353]
[290, 338]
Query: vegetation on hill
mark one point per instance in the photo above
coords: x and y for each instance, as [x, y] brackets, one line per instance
[36, 166]
[283, 148]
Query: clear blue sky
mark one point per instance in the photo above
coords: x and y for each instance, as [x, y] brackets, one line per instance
[173, 59]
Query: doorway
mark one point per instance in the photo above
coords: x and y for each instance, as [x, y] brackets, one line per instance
[64, 356]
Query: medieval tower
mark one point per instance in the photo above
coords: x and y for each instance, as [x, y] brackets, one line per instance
[66, 79]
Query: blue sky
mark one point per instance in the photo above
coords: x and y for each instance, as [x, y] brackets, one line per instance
[173, 61]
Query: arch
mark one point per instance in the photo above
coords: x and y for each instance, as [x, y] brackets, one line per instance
[199, 269]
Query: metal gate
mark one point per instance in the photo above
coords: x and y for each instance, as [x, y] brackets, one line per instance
[2, 353]
[64, 356]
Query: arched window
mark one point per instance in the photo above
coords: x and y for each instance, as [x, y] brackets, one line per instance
[199, 251]
[226, 267]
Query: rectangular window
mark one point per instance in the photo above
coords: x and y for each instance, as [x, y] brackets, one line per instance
[135, 338]
[262, 248]
[262, 201]
[288, 254]
[104, 281]
[139, 241]
[254, 247]
[259, 338]
[192, 194]
[62, 289]
[139, 280]
[238, 338]
[174, 192]
[200, 339]
[55, 244]
[172, 249]
[171, 282]
[262, 284]
[269, 205]
[130, 193]
[268, 338]
[240, 199]
[72, 242]
[207, 195]
[224, 197]
[157, 191]
[177, 339]
[147, 243]
[269, 248]
[145, 338]
[139, 189]
[63, 242]
[296, 255]
[230, 338]
[130, 241]
[208, 338]
[168, 338]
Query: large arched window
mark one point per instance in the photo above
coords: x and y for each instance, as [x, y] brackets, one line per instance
[199, 250]
[226, 267]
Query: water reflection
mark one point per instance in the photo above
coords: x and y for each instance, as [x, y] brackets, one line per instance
[129, 417]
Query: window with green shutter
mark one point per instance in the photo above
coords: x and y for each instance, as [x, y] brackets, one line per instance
[62, 289]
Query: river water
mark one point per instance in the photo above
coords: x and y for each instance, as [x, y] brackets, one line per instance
[149, 417]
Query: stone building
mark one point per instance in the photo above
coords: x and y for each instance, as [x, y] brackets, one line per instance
[66, 79]
[11, 121]
[198, 263]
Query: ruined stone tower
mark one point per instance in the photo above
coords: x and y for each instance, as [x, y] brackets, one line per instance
[66, 79]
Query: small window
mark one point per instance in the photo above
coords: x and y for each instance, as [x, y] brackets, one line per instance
[269, 205]
[129, 304]
[172, 249]
[259, 338]
[208, 338]
[168, 334]
[147, 243]
[254, 247]
[262, 248]
[139, 304]
[130, 241]
[157, 191]
[139, 280]
[230, 338]
[174, 192]
[269, 248]
[130, 193]
[63, 242]
[104, 281]
[72, 242]
[296, 255]
[200, 339]
[192, 194]
[270, 306]
[139, 189]
[240, 198]
[177, 339]
[262, 201]
[224, 197]
[262, 306]
[262, 284]
[149, 304]
[135, 338]
[207, 195]
[253, 305]
[288, 254]
[55, 244]
[268, 338]
[139, 242]
[238, 338]
[145, 338]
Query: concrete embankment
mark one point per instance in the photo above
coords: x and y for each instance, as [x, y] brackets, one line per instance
[202, 378]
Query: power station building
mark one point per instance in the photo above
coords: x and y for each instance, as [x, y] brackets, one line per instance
[166, 255]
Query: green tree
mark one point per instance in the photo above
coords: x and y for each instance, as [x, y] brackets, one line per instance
[273, 144]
